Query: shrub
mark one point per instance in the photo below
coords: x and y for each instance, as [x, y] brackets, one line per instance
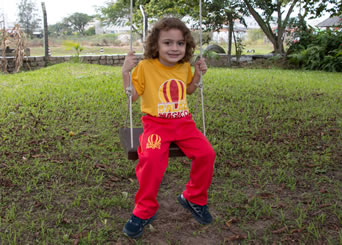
[90, 31]
[316, 50]
[77, 47]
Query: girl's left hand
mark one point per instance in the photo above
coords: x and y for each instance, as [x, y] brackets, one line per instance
[201, 66]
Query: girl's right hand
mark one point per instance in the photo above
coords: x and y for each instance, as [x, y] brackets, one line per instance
[130, 62]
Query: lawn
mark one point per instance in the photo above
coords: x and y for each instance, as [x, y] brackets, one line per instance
[64, 178]
[94, 48]
[109, 50]
[87, 50]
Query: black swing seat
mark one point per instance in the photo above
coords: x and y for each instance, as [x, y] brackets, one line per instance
[125, 140]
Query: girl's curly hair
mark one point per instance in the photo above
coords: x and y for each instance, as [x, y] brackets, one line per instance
[165, 24]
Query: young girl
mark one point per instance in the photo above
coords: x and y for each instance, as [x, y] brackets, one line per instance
[162, 80]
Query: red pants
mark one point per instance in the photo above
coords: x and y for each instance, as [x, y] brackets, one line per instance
[153, 160]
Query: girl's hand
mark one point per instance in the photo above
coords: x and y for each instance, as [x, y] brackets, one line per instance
[200, 66]
[130, 62]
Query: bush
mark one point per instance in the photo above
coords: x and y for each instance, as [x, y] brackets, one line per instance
[90, 31]
[316, 50]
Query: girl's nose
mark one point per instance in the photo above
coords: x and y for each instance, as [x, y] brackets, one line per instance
[174, 46]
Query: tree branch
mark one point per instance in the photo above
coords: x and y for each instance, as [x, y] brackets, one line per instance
[265, 27]
[286, 20]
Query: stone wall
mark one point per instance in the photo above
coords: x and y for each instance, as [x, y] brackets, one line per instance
[37, 62]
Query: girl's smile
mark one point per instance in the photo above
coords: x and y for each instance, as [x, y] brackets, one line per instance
[171, 47]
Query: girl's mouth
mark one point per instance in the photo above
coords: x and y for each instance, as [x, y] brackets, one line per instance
[174, 55]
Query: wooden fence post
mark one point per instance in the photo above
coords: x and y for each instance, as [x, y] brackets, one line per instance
[46, 38]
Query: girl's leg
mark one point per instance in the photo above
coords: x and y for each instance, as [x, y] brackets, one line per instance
[196, 147]
[153, 161]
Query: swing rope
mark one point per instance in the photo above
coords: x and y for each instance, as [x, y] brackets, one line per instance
[129, 89]
[201, 80]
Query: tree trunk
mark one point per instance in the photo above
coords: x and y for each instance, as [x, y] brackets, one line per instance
[275, 39]
[236, 50]
[281, 29]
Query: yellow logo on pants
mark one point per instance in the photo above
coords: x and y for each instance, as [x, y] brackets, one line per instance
[153, 142]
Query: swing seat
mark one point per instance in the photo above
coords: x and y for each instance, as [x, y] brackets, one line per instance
[132, 154]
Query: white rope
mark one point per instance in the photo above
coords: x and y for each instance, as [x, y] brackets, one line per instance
[200, 9]
[130, 77]
[131, 19]
[201, 82]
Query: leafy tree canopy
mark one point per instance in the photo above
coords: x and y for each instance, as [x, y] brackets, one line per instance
[60, 28]
[318, 8]
[118, 12]
[78, 21]
[219, 12]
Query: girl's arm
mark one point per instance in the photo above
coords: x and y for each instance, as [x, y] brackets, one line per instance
[129, 63]
[200, 66]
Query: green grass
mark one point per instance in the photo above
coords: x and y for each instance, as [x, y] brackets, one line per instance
[88, 50]
[65, 179]
[95, 50]
[92, 47]
[258, 47]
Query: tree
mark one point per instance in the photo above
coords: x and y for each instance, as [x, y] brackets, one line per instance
[316, 8]
[217, 13]
[114, 12]
[59, 29]
[118, 12]
[279, 12]
[28, 16]
[268, 9]
[78, 21]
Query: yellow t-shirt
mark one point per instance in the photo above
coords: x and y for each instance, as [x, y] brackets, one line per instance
[162, 89]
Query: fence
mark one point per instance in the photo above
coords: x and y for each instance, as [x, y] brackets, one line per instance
[37, 62]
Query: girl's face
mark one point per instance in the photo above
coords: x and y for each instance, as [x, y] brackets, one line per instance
[171, 47]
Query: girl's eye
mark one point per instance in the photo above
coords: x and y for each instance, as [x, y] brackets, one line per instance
[167, 43]
[181, 43]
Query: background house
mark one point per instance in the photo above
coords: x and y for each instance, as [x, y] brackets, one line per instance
[334, 23]
[100, 28]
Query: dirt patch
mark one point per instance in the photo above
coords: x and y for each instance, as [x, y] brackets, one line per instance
[175, 225]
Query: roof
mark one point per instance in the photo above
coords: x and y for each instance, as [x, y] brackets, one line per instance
[333, 21]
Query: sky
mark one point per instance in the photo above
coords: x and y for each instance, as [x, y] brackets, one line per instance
[56, 9]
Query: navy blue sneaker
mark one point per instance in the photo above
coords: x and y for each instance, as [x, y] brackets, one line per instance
[200, 213]
[134, 227]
